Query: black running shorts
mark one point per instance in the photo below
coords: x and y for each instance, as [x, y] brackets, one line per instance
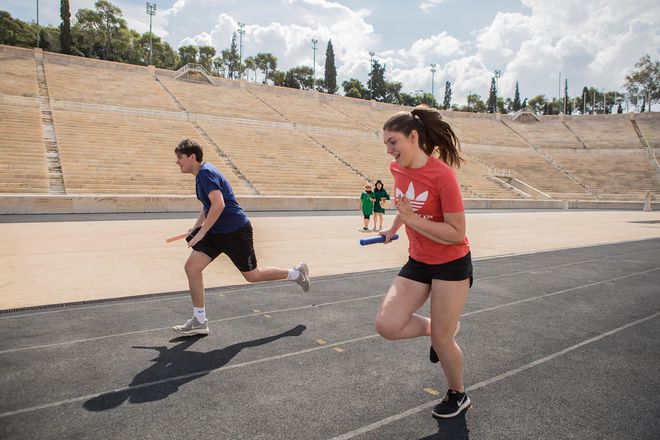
[238, 246]
[456, 270]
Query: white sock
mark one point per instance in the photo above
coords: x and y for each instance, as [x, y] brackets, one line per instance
[200, 314]
[293, 275]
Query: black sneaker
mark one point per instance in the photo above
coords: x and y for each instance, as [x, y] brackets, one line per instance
[452, 405]
[433, 356]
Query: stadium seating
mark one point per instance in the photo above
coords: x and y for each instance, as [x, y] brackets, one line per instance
[277, 141]
[283, 161]
[223, 99]
[614, 131]
[69, 82]
[19, 76]
[102, 153]
[23, 166]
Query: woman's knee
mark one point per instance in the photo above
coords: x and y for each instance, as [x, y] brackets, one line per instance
[442, 337]
[386, 327]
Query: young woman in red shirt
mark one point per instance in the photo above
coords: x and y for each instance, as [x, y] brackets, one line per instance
[429, 204]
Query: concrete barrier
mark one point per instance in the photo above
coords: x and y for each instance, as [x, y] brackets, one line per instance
[97, 204]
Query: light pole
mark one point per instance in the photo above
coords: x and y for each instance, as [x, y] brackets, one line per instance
[151, 11]
[314, 42]
[498, 74]
[433, 80]
[38, 23]
[371, 86]
[241, 32]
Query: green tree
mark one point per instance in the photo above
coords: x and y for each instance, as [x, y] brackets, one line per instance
[267, 63]
[446, 103]
[376, 83]
[355, 89]
[538, 104]
[187, 54]
[330, 78]
[475, 104]
[103, 28]
[231, 59]
[566, 104]
[644, 81]
[251, 64]
[491, 104]
[393, 92]
[45, 40]
[66, 39]
[301, 77]
[516, 99]
[206, 54]
[15, 32]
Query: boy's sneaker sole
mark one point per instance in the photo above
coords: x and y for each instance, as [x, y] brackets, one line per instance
[192, 328]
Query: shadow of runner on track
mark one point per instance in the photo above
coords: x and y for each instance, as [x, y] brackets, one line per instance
[174, 367]
[451, 429]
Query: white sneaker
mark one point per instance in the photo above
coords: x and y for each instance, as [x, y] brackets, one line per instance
[303, 279]
[192, 327]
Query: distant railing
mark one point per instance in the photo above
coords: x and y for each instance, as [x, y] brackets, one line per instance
[193, 67]
[495, 172]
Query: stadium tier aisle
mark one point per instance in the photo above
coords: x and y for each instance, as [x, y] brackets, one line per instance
[368, 114]
[474, 177]
[23, 166]
[64, 261]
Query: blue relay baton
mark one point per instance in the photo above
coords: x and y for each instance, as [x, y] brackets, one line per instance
[376, 239]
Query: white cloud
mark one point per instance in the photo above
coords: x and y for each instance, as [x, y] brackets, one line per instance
[289, 36]
[427, 5]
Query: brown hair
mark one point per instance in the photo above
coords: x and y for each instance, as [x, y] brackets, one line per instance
[188, 147]
[434, 133]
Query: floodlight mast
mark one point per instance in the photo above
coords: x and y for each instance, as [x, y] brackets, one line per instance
[151, 11]
[314, 43]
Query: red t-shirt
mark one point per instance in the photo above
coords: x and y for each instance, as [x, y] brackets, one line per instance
[432, 190]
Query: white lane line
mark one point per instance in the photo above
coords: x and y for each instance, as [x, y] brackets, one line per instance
[251, 287]
[395, 417]
[181, 377]
[232, 318]
[270, 312]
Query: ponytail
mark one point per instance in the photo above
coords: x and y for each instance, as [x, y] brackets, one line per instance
[435, 135]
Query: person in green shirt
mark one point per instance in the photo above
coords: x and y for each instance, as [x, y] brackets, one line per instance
[379, 206]
[366, 207]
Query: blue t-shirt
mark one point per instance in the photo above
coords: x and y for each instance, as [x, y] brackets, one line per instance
[232, 217]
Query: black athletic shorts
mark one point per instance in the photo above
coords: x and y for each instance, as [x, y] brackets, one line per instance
[237, 245]
[456, 270]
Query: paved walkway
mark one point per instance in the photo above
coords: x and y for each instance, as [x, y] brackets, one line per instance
[52, 262]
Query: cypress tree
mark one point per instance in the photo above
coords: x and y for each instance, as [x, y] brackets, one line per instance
[66, 40]
[446, 104]
[330, 69]
[516, 99]
[492, 97]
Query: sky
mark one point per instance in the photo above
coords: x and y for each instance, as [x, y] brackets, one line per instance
[589, 42]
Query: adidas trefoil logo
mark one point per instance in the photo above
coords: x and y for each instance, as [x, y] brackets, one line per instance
[416, 202]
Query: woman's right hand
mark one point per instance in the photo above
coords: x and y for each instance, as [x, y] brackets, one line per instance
[388, 234]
